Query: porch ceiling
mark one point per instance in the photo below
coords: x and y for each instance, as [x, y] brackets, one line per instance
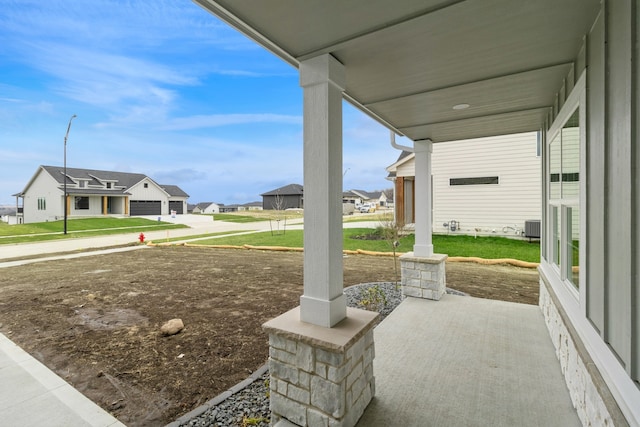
[409, 62]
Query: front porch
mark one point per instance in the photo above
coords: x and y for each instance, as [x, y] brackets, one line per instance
[467, 362]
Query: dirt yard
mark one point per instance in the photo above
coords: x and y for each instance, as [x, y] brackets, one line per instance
[95, 320]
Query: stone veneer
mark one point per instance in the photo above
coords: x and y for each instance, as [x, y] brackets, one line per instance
[423, 277]
[320, 376]
[581, 376]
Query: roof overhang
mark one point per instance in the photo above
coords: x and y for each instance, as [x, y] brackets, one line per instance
[409, 63]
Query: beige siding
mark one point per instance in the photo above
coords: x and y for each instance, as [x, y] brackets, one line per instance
[488, 207]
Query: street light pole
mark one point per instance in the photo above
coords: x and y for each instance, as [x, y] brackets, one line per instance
[65, 173]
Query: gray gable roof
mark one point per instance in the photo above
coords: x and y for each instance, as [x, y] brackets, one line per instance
[367, 194]
[122, 179]
[287, 190]
[174, 191]
[402, 155]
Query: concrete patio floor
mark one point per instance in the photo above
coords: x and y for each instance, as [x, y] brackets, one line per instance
[465, 361]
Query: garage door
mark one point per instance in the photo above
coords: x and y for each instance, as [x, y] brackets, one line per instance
[145, 207]
[176, 206]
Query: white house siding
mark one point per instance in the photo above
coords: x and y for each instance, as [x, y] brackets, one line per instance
[409, 167]
[492, 208]
[212, 208]
[43, 186]
[152, 192]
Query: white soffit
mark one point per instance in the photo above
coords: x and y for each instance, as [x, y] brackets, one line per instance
[409, 62]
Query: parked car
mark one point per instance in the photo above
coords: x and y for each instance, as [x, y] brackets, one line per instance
[367, 207]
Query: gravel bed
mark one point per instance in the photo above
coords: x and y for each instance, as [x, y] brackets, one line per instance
[251, 404]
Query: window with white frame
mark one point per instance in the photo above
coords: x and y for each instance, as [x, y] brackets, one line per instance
[42, 204]
[564, 199]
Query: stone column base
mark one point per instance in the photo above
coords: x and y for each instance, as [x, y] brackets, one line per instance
[423, 277]
[320, 376]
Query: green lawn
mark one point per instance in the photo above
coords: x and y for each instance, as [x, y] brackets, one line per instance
[85, 227]
[483, 247]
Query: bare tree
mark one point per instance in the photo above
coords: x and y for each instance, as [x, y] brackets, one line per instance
[280, 217]
[391, 231]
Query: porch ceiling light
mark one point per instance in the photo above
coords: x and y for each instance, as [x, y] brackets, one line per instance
[461, 106]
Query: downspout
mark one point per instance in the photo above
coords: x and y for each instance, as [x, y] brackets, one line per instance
[394, 144]
[397, 146]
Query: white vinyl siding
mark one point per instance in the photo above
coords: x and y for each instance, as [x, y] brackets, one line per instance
[95, 206]
[151, 192]
[408, 168]
[43, 187]
[503, 207]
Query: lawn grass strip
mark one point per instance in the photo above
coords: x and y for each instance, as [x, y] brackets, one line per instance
[477, 260]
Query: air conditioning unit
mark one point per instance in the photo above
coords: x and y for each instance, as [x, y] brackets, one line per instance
[532, 229]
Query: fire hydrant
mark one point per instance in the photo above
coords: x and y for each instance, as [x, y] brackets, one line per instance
[141, 237]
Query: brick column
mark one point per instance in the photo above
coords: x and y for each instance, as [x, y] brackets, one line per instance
[423, 277]
[320, 376]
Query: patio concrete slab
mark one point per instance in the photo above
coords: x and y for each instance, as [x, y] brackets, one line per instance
[32, 395]
[465, 361]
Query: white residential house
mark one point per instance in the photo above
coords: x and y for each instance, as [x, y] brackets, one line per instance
[251, 206]
[358, 197]
[442, 71]
[486, 185]
[207, 208]
[96, 193]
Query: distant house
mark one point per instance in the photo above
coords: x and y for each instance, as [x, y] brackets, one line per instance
[8, 214]
[287, 197]
[351, 197]
[251, 206]
[95, 193]
[357, 197]
[207, 208]
[486, 185]
[228, 208]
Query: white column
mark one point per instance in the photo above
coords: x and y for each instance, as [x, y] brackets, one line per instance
[323, 80]
[423, 245]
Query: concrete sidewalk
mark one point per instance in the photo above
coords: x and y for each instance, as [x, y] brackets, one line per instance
[199, 224]
[465, 361]
[32, 395]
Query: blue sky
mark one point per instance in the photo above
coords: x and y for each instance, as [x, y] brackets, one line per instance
[162, 88]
